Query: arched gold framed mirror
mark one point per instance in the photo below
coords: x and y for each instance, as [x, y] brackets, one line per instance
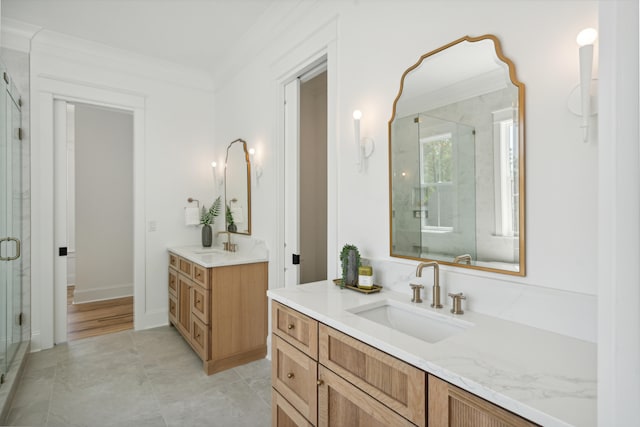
[457, 159]
[237, 190]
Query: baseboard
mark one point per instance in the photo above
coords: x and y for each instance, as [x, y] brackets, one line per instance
[99, 294]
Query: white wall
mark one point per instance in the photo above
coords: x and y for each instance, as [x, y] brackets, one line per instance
[376, 43]
[104, 208]
[619, 216]
[171, 165]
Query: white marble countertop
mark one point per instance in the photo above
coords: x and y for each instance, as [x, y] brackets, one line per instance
[217, 257]
[545, 377]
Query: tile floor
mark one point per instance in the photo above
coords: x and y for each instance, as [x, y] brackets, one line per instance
[137, 378]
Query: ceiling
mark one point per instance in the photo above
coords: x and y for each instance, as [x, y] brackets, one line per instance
[194, 33]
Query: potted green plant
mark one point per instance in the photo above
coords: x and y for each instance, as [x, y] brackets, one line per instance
[231, 226]
[207, 219]
[350, 259]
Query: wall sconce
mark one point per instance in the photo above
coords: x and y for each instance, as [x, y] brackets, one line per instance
[254, 164]
[364, 146]
[581, 102]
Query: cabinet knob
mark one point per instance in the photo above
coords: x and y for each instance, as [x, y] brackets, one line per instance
[290, 375]
[290, 326]
[320, 382]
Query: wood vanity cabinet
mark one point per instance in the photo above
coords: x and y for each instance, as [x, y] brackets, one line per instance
[323, 377]
[340, 403]
[294, 367]
[393, 382]
[221, 311]
[451, 406]
[329, 378]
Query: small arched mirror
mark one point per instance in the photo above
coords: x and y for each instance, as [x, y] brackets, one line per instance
[237, 180]
[456, 147]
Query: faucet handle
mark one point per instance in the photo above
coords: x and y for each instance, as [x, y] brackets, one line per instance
[457, 302]
[416, 292]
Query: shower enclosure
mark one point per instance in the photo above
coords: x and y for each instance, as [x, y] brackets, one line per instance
[14, 222]
[433, 187]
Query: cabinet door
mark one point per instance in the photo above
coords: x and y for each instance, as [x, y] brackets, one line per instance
[342, 404]
[173, 260]
[295, 376]
[452, 406]
[201, 276]
[184, 306]
[173, 282]
[395, 383]
[285, 415]
[200, 338]
[200, 303]
[295, 328]
[185, 267]
[173, 309]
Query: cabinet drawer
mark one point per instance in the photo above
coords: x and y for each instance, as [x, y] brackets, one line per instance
[452, 406]
[342, 404]
[173, 282]
[200, 303]
[297, 329]
[185, 267]
[294, 375]
[397, 384]
[200, 338]
[285, 415]
[173, 260]
[173, 309]
[200, 276]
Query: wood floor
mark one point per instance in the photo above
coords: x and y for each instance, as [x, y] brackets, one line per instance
[91, 319]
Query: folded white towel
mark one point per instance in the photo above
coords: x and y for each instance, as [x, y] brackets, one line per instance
[238, 214]
[191, 216]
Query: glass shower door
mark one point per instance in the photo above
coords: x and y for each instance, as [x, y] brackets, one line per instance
[4, 222]
[11, 226]
[15, 226]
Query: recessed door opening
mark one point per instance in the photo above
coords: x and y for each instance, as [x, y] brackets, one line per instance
[313, 178]
[99, 218]
[306, 178]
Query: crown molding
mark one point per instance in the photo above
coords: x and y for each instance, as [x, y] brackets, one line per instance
[277, 18]
[17, 35]
[47, 43]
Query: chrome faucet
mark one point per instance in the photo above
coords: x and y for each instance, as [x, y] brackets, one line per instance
[436, 281]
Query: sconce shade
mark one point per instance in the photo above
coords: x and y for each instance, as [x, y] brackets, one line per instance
[586, 37]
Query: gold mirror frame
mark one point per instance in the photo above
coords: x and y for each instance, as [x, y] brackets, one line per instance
[521, 161]
[248, 186]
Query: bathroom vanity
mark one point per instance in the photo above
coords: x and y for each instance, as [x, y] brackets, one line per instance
[335, 361]
[217, 301]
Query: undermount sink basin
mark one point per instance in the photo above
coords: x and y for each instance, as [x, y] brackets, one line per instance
[415, 321]
[209, 251]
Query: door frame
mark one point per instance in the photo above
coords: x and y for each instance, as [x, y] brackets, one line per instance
[324, 44]
[48, 306]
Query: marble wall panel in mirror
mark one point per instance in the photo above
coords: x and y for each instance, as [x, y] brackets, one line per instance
[456, 147]
[238, 188]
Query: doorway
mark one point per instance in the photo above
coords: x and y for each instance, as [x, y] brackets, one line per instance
[306, 177]
[95, 185]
